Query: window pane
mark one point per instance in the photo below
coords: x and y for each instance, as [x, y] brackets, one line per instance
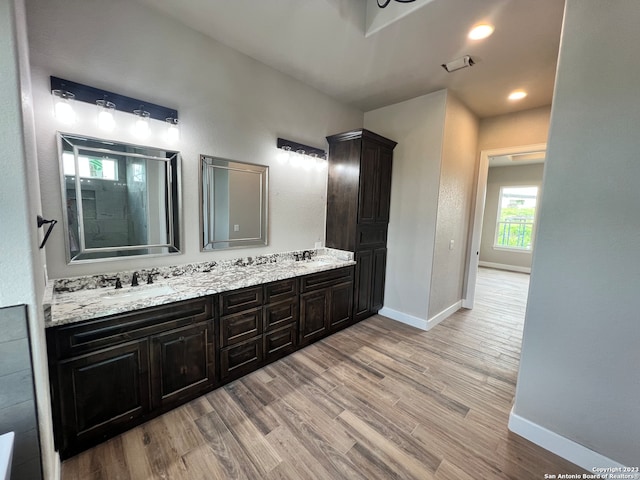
[516, 215]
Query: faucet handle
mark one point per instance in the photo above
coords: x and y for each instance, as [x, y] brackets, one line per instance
[149, 279]
[118, 283]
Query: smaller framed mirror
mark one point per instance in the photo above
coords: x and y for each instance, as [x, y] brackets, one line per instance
[119, 200]
[233, 203]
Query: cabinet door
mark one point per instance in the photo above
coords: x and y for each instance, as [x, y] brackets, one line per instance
[314, 315]
[102, 393]
[341, 309]
[384, 186]
[378, 276]
[182, 364]
[369, 183]
[362, 284]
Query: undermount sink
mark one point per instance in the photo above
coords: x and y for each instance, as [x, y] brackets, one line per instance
[135, 293]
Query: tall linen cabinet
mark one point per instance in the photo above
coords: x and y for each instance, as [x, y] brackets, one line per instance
[358, 198]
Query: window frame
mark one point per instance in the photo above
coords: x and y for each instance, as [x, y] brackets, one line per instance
[516, 249]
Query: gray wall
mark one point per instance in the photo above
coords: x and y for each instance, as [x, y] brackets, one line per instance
[230, 106]
[579, 367]
[21, 262]
[525, 175]
[457, 178]
[17, 398]
[528, 127]
[418, 127]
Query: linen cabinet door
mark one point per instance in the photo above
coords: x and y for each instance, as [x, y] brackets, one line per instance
[378, 276]
[182, 364]
[120, 374]
[362, 285]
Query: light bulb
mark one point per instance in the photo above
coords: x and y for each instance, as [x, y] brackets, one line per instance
[173, 131]
[141, 125]
[297, 158]
[481, 31]
[62, 106]
[517, 95]
[283, 154]
[105, 115]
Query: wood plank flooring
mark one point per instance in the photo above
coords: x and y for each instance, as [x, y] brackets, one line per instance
[379, 400]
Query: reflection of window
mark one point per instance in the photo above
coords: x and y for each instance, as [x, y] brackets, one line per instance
[516, 216]
[90, 167]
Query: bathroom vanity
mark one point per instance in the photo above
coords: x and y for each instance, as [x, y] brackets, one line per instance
[120, 357]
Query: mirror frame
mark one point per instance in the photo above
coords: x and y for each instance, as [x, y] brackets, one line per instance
[174, 214]
[208, 164]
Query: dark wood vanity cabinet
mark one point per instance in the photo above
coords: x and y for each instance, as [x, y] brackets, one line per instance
[114, 372]
[358, 201]
[326, 303]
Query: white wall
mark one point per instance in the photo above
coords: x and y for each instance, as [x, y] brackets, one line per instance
[418, 127]
[229, 105]
[517, 175]
[21, 262]
[579, 367]
[457, 178]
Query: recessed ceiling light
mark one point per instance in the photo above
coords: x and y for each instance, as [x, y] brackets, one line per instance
[517, 95]
[480, 31]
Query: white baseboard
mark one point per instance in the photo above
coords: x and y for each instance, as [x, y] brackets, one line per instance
[401, 317]
[561, 446]
[504, 266]
[446, 313]
[417, 322]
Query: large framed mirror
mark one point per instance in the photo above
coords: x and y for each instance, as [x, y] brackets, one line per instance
[119, 200]
[233, 203]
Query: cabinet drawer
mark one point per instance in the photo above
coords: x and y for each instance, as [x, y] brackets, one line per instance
[240, 359]
[76, 339]
[279, 343]
[280, 314]
[239, 300]
[282, 290]
[241, 326]
[326, 279]
[368, 236]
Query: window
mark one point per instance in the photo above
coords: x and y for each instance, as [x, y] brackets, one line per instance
[90, 167]
[516, 215]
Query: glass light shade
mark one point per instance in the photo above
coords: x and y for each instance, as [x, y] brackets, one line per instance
[141, 126]
[517, 95]
[283, 154]
[173, 131]
[62, 107]
[106, 121]
[297, 158]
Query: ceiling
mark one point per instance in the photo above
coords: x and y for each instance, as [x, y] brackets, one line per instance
[516, 159]
[324, 43]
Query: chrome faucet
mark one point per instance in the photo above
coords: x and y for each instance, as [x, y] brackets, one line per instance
[134, 279]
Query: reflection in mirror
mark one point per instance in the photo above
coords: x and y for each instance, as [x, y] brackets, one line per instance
[234, 203]
[119, 199]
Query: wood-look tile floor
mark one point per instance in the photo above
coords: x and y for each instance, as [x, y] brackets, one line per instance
[379, 400]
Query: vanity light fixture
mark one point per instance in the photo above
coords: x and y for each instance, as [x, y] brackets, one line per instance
[62, 107]
[105, 114]
[298, 154]
[108, 102]
[141, 126]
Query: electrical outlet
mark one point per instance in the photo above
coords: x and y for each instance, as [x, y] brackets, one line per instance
[236, 228]
[451, 244]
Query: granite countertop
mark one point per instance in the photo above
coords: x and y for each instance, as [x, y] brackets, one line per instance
[83, 298]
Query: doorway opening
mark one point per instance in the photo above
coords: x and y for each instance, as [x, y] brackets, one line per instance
[503, 222]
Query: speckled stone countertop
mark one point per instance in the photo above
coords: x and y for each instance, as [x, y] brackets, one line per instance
[72, 300]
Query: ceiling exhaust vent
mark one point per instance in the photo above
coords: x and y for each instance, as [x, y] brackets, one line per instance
[458, 63]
